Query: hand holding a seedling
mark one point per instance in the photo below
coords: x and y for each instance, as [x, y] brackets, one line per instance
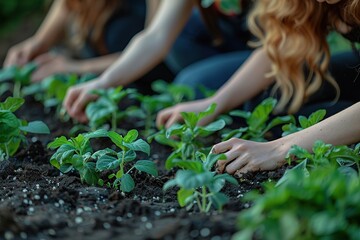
[23, 52]
[78, 97]
[248, 156]
[171, 115]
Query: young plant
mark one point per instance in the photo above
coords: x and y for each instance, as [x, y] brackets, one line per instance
[199, 184]
[105, 108]
[19, 75]
[323, 155]
[118, 161]
[76, 154]
[324, 205]
[13, 130]
[304, 122]
[168, 95]
[257, 122]
[186, 142]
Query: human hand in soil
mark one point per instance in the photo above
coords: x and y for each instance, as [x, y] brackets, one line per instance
[77, 97]
[248, 156]
[171, 115]
[23, 52]
[50, 63]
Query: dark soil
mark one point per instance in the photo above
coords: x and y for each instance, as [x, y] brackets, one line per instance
[38, 202]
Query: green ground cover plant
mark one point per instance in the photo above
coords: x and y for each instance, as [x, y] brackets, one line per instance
[13, 129]
[199, 184]
[185, 138]
[304, 122]
[257, 122]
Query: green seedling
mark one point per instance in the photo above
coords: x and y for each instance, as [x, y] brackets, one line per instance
[323, 155]
[118, 161]
[52, 91]
[231, 7]
[186, 138]
[199, 184]
[21, 76]
[76, 154]
[168, 95]
[105, 108]
[304, 122]
[13, 130]
[324, 205]
[257, 122]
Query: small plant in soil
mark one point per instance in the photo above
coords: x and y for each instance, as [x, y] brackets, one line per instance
[323, 205]
[20, 76]
[304, 122]
[52, 91]
[105, 108]
[323, 155]
[168, 95]
[198, 184]
[119, 161]
[76, 154]
[186, 138]
[257, 122]
[13, 130]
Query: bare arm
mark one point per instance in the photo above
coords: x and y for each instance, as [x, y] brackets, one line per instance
[152, 7]
[248, 81]
[243, 156]
[150, 46]
[49, 33]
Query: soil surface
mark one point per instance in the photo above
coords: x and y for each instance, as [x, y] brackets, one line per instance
[38, 202]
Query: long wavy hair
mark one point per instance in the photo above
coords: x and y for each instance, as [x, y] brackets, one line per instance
[293, 33]
[90, 18]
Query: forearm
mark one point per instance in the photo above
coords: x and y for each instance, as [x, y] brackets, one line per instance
[246, 83]
[148, 48]
[340, 129]
[53, 27]
[96, 65]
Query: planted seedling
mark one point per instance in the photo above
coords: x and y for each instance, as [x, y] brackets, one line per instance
[304, 122]
[76, 154]
[199, 184]
[324, 205]
[13, 130]
[323, 155]
[118, 161]
[19, 75]
[105, 108]
[185, 138]
[256, 121]
[168, 95]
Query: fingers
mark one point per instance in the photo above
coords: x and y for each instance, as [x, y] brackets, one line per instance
[167, 117]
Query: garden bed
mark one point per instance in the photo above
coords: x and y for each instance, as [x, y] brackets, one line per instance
[37, 202]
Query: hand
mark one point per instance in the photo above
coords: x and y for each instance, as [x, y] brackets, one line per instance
[23, 52]
[77, 97]
[50, 63]
[247, 156]
[171, 115]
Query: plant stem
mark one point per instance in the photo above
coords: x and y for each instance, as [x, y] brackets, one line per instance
[17, 89]
[204, 197]
[198, 201]
[113, 121]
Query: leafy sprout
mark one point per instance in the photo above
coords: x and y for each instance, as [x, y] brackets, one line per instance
[199, 184]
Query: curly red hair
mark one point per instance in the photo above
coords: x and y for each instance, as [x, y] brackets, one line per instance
[293, 34]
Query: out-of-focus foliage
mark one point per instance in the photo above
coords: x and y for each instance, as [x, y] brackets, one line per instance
[13, 11]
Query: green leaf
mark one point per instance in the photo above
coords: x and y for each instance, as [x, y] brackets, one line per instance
[298, 171]
[188, 165]
[215, 126]
[169, 184]
[116, 138]
[324, 223]
[58, 142]
[183, 194]
[127, 183]
[12, 104]
[316, 117]
[8, 73]
[131, 136]
[139, 145]
[219, 200]
[38, 127]
[211, 159]
[9, 126]
[261, 114]
[97, 134]
[106, 162]
[146, 166]
[129, 156]
[89, 174]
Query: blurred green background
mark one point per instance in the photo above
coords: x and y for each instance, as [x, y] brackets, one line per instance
[13, 12]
